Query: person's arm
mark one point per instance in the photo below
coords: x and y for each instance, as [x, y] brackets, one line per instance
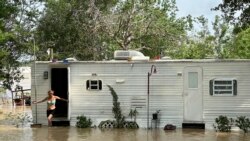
[36, 102]
[59, 98]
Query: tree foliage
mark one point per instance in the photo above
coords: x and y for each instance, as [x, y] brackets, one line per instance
[150, 27]
[240, 46]
[8, 53]
[205, 42]
[120, 119]
[17, 20]
[94, 30]
[72, 29]
[237, 12]
[198, 44]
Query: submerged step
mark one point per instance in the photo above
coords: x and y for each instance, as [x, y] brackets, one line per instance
[193, 125]
[61, 123]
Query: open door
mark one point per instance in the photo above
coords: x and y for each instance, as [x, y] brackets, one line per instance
[59, 83]
[193, 105]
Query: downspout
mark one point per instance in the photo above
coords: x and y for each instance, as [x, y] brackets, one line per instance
[35, 76]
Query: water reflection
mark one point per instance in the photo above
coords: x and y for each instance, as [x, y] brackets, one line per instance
[11, 133]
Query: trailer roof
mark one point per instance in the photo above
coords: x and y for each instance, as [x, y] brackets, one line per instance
[150, 61]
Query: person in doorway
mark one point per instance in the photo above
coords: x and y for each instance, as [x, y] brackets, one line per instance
[51, 104]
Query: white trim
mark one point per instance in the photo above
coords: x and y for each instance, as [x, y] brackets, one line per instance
[224, 79]
[69, 94]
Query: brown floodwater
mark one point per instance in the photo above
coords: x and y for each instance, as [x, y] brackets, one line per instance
[11, 133]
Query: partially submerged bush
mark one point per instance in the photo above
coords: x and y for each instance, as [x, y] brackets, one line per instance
[133, 113]
[130, 125]
[107, 124]
[83, 122]
[120, 119]
[243, 123]
[223, 124]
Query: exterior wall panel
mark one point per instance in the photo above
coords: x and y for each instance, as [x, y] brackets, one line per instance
[166, 90]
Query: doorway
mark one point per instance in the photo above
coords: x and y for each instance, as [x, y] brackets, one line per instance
[193, 103]
[59, 83]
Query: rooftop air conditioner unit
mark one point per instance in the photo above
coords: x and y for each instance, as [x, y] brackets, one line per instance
[129, 55]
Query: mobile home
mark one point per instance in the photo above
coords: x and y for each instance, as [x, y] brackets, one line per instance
[184, 91]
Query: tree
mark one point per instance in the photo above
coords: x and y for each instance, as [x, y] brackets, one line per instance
[222, 37]
[95, 29]
[120, 119]
[206, 43]
[72, 29]
[198, 44]
[7, 43]
[150, 27]
[16, 22]
[9, 72]
[237, 12]
[240, 47]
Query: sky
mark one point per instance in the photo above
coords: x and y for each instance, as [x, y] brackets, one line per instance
[197, 8]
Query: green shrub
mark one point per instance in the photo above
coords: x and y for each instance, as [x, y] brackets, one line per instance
[130, 125]
[223, 124]
[107, 124]
[133, 113]
[83, 122]
[243, 123]
[120, 119]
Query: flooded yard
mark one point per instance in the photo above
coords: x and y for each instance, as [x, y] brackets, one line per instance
[12, 133]
[75, 134]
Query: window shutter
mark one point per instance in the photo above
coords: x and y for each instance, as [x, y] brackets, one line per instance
[211, 86]
[235, 87]
[100, 84]
[87, 84]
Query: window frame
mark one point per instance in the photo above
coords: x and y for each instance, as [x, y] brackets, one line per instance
[90, 83]
[196, 80]
[214, 87]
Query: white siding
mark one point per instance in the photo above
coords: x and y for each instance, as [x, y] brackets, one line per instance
[39, 88]
[166, 89]
[230, 106]
[164, 94]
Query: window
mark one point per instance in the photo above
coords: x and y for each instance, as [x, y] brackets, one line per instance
[223, 87]
[192, 80]
[94, 85]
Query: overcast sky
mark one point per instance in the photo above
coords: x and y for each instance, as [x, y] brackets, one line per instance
[197, 8]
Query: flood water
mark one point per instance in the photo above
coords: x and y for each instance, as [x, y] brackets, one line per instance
[11, 133]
